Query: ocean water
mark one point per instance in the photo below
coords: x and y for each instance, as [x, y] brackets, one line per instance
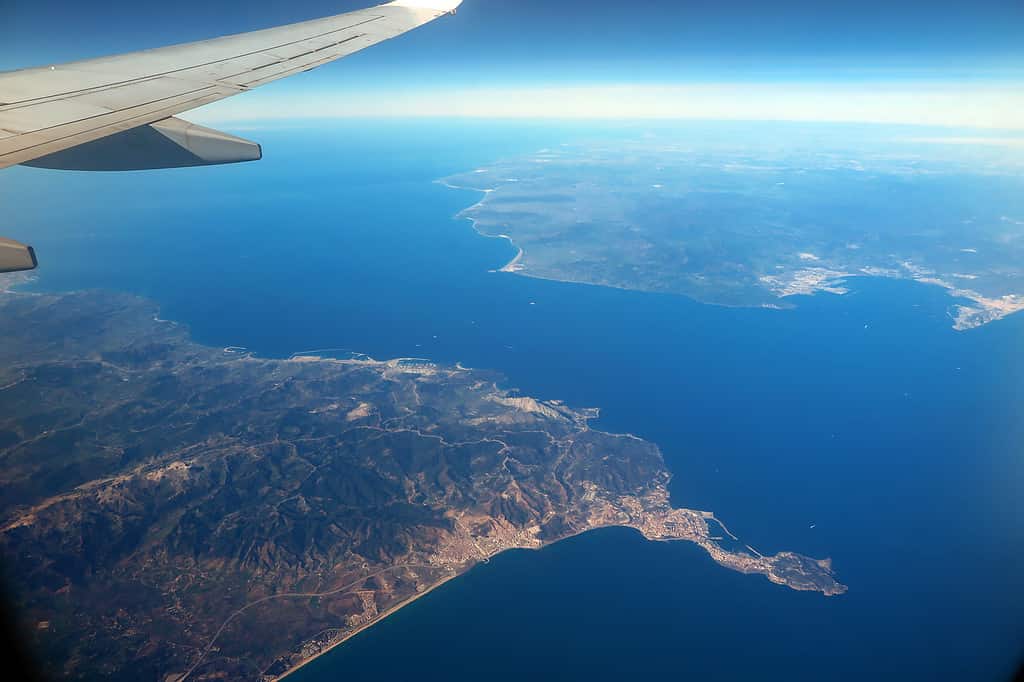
[859, 427]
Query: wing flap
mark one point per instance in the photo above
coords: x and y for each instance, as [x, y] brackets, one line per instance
[16, 257]
[171, 143]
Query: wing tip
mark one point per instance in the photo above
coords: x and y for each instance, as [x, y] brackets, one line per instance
[435, 5]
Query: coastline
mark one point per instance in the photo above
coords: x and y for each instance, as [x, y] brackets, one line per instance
[409, 600]
[646, 510]
[369, 624]
[982, 309]
[712, 550]
[514, 265]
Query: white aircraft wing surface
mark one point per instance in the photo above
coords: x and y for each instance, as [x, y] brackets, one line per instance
[116, 113]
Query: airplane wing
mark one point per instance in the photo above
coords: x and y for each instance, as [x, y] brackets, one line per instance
[120, 108]
[118, 113]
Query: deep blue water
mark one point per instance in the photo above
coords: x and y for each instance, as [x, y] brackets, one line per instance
[866, 415]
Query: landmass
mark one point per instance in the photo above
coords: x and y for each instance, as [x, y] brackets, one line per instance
[720, 223]
[173, 511]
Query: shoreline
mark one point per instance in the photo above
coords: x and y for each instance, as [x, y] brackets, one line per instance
[983, 310]
[513, 266]
[704, 542]
[409, 600]
[369, 624]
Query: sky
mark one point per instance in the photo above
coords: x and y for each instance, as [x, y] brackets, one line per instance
[942, 62]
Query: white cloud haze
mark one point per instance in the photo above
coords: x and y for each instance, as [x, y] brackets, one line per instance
[938, 104]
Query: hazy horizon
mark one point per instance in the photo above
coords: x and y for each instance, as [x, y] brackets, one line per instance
[958, 64]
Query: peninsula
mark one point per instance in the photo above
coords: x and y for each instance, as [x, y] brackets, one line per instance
[173, 511]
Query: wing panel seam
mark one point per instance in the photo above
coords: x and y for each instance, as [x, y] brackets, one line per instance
[110, 112]
[291, 59]
[19, 104]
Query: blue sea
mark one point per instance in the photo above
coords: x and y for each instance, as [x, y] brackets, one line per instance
[859, 427]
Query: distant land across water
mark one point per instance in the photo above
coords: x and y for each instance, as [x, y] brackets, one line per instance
[860, 427]
[754, 220]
